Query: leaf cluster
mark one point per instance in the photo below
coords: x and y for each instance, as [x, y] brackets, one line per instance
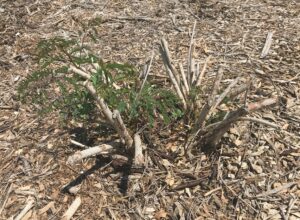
[52, 87]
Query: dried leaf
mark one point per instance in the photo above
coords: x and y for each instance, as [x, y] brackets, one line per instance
[161, 214]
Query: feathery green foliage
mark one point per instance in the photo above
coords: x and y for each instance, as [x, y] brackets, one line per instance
[54, 88]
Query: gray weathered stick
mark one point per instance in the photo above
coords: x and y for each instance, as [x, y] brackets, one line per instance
[72, 209]
[171, 70]
[267, 46]
[80, 155]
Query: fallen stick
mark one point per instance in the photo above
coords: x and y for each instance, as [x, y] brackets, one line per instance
[260, 121]
[78, 144]
[267, 46]
[29, 205]
[4, 201]
[276, 190]
[72, 209]
[80, 155]
[164, 51]
[261, 104]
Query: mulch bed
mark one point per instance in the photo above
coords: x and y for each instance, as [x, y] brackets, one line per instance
[255, 174]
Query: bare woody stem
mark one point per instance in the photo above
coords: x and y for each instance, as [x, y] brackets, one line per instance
[116, 121]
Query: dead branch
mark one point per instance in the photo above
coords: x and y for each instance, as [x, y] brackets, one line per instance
[29, 205]
[164, 51]
[79, 155]
[267, 46]
[261, 104]
[201, 75]
[211, 139]
[224, 94]
[72, 209]
[235, 92]
[276, 190]
[138, 153]
[190, 56]
[211, 100]
[186, 88]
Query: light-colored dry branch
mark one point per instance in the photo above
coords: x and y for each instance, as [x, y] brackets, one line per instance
[139, 159]
[72, 209]
[145, 75]
[216, 86]
[5, 198]
[190, 56]
[260, 121]
[201, 75]
[29, 205]
[184, 79]
[79, 72]
[261, 104]
[211, 139]
[225, 93]
[124, 134]
[100, 101]
[235, 92]
[276, 190]
[211, 100]
[79, 155]
[116, 121]
[78, 144]
[164, 51]
[267, 46]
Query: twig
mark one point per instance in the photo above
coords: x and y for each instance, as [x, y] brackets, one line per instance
[146, 74]
[211, 100]
[234, 193]
[189, 184]
[72, 209]
[185, 83]
[237, 91]
[276, 190]
[190, 56]
[200, 77]
[291, 204]
[78, 144]
[5, 198]
[171, 70]
[79, 155]
[267, 46]
[30, 204]
[79, 72]
[138, 153]
[224, 94]
[260, 121]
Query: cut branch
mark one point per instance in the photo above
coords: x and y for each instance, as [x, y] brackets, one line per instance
[164, 51]
[138, 153]
[80, 155]
[72, 209]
